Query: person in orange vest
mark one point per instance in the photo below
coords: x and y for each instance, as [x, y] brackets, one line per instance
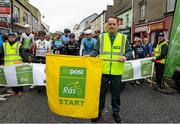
[160, 53]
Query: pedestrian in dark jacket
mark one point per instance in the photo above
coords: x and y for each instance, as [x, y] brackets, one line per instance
[71, 48]
[139, 49]
[148, 47]
[139, 53]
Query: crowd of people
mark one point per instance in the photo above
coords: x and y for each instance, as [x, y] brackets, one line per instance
[33, 49]
[30, 48]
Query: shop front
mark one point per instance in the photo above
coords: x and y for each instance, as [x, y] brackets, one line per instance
[151, 30]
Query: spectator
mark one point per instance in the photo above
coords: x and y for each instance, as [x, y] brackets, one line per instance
[65, 38]
[87, 43]
[71, 48]
[148, 47]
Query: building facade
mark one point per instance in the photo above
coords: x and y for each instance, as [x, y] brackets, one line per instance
[20, 16]
[44, 27]
[99, 22]
[16, 13]
[126, 24]
[5, 15]
[84, 25]
[152, 17]
[33, 17]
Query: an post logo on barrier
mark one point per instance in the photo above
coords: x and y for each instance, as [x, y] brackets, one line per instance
[3, 77]
[72, 84]
[129, 71]
[24, 74]
[146, 68]
[33, 74]
[138, 69]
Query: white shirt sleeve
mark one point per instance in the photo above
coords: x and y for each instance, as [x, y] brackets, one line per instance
[81, 48]
[48, 44]
[22, 36]
[32, 36]
[36, 43]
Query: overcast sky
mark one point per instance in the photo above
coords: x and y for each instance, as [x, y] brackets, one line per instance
[60, 14]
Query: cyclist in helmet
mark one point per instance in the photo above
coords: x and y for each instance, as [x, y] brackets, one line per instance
[65, 38]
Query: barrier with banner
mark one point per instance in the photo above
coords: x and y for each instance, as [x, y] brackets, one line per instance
[138, 69]
[34, 74]
[22, 75]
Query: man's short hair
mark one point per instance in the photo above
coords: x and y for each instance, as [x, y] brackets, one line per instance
[97, 31]
[114, 17]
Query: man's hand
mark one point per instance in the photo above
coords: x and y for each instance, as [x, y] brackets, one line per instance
[123, 59]
[154, 59]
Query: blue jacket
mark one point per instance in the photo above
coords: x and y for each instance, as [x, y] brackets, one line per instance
[87, 45]
[1, 43]
[140, 52]
[149, 49]
[64, 38]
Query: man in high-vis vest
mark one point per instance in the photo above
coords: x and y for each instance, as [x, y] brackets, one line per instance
[114, 49]
[160, 53]
[12, 54]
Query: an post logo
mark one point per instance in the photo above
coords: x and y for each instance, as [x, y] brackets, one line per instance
[24, 74]
[2, 77]
[72, 84]
[146, 68]
[128, 72]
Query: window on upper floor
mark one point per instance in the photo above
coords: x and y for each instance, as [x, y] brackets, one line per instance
[127, 20]
[16, 14]
[170, 5]
[25, 18]
[142, 11]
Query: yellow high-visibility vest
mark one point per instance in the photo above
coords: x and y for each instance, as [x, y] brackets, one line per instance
[11, 53]
[109, 52]
[157, 52]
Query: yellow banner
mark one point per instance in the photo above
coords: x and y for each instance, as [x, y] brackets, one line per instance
[73, 85]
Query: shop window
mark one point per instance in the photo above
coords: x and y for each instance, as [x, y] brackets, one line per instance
[171, 5]
[16, 14]
[142, 12]
[25, 18]
[127, 20]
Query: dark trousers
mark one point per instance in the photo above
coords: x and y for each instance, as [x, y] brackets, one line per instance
[115, 87]
[159, 73]
[28, 56]
[17, 89]
[40, 59]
